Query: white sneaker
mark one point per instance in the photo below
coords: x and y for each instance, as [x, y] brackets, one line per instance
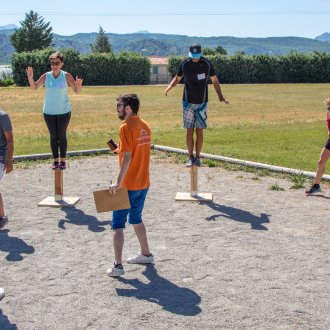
[116, 271]
[141, 259]
[2, 293]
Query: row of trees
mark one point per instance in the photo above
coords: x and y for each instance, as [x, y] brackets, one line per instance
[33, 45]
[132, 68]
[95, 68]
[292, 68]
[102, 67]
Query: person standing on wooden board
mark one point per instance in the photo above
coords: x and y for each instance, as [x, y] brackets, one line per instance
[57, 108]
[196, 72]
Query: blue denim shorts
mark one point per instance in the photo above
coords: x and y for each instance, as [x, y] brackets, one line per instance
[136, 198]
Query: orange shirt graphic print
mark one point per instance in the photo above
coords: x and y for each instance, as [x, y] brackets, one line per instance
[144, 138]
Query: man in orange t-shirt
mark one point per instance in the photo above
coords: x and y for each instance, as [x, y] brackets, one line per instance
[134, 159]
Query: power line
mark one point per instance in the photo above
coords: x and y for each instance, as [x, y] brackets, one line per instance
[119, 14]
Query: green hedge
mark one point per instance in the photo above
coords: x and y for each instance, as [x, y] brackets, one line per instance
[108, 69]
[291, 68]
[96, 69]
[132, 69]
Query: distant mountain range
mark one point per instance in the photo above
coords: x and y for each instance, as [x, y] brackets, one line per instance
[325, 37]
[8, 27]
[147, 43]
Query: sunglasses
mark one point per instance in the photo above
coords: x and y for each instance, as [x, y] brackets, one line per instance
[55, 63]
[119, 104]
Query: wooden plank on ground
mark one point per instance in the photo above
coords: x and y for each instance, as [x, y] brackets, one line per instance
[64, 202]
[200, 197]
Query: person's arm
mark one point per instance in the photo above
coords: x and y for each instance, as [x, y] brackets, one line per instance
[10, 151]
[127, 157]
[217, 88]
[173, 83]
[74, 84]
[35, 84]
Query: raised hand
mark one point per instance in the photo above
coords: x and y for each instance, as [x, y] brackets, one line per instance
[327, 101]
[29, 71]
[79, 81]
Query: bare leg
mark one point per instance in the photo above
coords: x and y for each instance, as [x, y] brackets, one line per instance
[141, 233]
[118, 244]
[2, 211]
[325, 155]
[199, 140]
[190, 141]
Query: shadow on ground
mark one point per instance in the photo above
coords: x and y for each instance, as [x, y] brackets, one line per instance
[79, 218]
[14, 246]
[169, 296]
[5, 323]
[232, 213]
[318, 195]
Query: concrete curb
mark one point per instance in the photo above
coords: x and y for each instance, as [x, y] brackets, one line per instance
[245, 163]
[184, 152]
[69, 153]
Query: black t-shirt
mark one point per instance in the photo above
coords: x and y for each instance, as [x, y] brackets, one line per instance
[196, 76]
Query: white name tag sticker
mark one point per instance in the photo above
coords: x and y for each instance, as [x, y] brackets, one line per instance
[201, 76]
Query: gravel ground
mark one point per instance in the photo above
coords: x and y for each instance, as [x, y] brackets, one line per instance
[255, 258]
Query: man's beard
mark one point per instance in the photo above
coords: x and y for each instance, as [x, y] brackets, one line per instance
[121, 117]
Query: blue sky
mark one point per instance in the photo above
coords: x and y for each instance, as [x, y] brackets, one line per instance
[238, 18]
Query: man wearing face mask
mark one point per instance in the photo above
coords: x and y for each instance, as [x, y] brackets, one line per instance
[196, 72]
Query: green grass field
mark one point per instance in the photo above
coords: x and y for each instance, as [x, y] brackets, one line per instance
[278, 124]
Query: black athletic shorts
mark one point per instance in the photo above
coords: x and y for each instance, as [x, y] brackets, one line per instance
[327, 144]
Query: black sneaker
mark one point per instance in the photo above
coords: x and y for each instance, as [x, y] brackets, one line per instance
[190, 161]
[55, 165]
[313, 189]
[3, 221]
[197, 161]
[62, 165]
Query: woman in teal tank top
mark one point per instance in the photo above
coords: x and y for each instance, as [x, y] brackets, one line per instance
[57, 108]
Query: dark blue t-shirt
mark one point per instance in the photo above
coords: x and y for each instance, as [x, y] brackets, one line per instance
[196, 76]
[5, 126]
